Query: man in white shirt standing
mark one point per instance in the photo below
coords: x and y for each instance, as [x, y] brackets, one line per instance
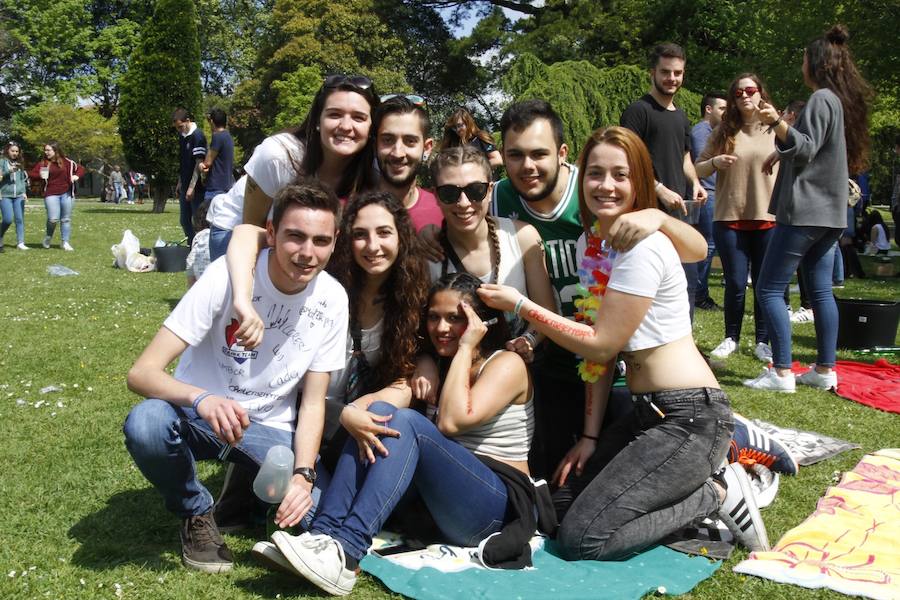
[228, 400]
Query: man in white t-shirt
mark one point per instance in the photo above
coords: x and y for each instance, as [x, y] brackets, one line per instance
[228, 400]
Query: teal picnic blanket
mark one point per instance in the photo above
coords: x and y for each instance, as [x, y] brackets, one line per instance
[657, 570]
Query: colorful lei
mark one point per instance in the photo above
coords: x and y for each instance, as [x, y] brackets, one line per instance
[595, 269]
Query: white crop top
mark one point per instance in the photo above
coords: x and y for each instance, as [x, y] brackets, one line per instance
[651, 269]
[507, 434]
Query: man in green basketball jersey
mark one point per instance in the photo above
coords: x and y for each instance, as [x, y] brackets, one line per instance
[542, 189]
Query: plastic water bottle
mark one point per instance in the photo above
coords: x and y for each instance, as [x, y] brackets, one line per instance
[271, 483]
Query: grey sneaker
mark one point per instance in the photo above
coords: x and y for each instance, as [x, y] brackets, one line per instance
[319, 559]
[739, 510]
[202, 546]
[46, 242]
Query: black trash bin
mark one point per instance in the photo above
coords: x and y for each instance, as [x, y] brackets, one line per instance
[171, 259]
[867, 323]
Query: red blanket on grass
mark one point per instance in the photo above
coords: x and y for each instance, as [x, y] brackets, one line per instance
[876, 385]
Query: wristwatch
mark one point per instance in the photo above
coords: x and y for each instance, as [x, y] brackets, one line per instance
[307, 474]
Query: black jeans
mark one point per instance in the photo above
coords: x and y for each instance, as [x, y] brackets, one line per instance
[649, 477]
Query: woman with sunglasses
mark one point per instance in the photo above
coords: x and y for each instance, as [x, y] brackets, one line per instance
[736, 151]
[829, 140]
[656, 469]
[13, 193]
[493, 249]
[461, 129]
[460, 464]
[332, 144]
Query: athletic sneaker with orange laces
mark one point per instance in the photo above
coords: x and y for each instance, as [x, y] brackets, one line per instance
[751, 445]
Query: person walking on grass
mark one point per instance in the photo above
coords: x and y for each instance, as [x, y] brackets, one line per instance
[59, 175]
[13, 193]
[229, 401]
[191, 152]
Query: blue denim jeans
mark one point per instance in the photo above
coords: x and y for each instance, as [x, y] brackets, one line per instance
[741, 251]
[119, 191]
[13, 209]
[465, 498]
[705, 227]
[187, 210]
[649, 476]
[812, 248]
[59, 210]
[837, 273]
[218, 242]
[165, 442]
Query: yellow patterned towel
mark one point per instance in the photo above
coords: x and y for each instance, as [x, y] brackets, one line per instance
[851, 543]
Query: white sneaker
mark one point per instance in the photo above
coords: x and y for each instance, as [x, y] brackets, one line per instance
[771, 380]
[725, 349]
[740, 512]
[803, 315]
[815, 379]
[22, 247]
[46, 242]
[268, 554]
[763, 352]
[319, 559]
[67, 247]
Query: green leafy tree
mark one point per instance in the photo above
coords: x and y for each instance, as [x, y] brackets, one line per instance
[584, 96]
[335, 37]
[163, 74]
[84, 134]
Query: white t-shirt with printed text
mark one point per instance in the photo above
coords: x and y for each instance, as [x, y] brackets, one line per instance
[304, 332]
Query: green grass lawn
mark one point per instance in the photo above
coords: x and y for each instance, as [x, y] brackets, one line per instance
[77, 520]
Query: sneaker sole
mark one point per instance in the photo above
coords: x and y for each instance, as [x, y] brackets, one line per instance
[269, 556]
[303, 569]
[747, 507]
[206, 567]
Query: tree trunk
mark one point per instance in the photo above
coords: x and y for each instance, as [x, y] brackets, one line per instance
[160, 196]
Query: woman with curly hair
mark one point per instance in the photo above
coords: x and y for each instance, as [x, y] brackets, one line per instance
[461, 130]
[461, 464]
[829, 140]
[736, 151]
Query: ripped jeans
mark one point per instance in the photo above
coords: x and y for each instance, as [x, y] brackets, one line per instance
[649, 476]
[59, 210]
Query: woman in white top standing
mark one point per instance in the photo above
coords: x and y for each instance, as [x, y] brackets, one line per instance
[332, 144]
[652, 472]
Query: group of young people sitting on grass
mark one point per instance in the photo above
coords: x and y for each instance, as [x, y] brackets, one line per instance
[329, 327]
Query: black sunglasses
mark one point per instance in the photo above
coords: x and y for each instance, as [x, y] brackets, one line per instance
[357, 81]
[415, 99]
[475, 192]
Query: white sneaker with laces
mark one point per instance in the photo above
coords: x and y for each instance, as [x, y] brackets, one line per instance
[319, 559]
[724, 349]
[771, 380]
[812, 378]
[740, 512]
[763, 352]
[46, 242]
[803, 315]
[22, 247]
[67, 247]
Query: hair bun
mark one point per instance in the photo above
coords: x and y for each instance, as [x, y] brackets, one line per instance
[838, 34]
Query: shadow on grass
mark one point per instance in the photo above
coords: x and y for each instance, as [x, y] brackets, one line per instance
[274, 585]
[172, 302]
[119, 211]
[133, 528]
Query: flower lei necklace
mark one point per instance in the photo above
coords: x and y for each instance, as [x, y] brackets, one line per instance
[594, 270]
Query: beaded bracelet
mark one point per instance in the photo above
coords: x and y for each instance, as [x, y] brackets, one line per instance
[200, 397]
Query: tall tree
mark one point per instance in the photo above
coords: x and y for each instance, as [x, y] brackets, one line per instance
[163, 74]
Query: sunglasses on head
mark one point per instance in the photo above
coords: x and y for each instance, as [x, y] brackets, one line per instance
[415, 99]
[357, 81]
[475, 192]
[749, 90]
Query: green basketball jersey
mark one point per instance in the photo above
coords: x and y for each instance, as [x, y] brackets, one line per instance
[559, 230]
